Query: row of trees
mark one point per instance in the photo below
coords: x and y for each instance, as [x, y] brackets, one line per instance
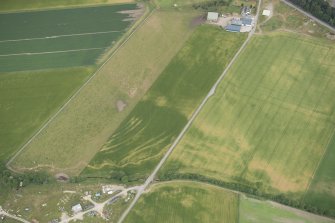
[319, 8]
[9, 179]
[212, 5]
[248, 188]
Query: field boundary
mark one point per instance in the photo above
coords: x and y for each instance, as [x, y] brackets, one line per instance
[8, 164]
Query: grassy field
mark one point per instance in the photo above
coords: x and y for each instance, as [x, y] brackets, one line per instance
[322, 189]
[27, 99]
[9, 220]
[73, 138]
[20, 5]
[286, 18]
[185, 202]
[143, 137]
[60, 38]
[255, 211]
[270, 121]
[171, 3]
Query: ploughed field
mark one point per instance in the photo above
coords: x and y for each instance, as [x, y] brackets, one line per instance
[269, 126]
[60, 38]
[140, 141]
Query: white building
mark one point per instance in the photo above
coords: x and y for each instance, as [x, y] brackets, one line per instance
[77, 208]
[107, 188]
[266, 12]
[212, 16]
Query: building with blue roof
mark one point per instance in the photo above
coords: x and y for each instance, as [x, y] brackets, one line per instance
[246, 21]
[243, 24]
[233, 28]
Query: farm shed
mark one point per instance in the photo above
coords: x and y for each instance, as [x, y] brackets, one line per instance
[77, 208]
[266, 12]
[246, 21]
[212, 16]
[236, 22]
[233, 28]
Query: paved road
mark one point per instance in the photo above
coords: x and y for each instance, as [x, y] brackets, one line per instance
[2, 212]
[309, 15]
[194, 115]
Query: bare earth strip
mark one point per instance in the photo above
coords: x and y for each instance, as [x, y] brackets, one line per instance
[69, 142]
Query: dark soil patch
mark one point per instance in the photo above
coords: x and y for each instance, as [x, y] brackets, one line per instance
[198, 21]
[62, 177]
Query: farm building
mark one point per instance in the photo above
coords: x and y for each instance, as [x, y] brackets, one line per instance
[233, 28]
[236, 22]
[107, 188]
[243, 24]
[212, 16]
[246, 21]
[266, 12]
[76, 208]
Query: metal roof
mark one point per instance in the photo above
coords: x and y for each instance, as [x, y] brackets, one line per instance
[236, 22]
[246, 21]
[212, 16]
[266, 12]
[233, 28]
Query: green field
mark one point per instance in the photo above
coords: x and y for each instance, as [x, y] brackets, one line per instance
[171, 3]
[322, 189]
[60, 38]
[27, 99]
[9, 220]
[255, 211]
[20, 5]
[270, 121]
[79, 131]
[185, 202]
[142, 138]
